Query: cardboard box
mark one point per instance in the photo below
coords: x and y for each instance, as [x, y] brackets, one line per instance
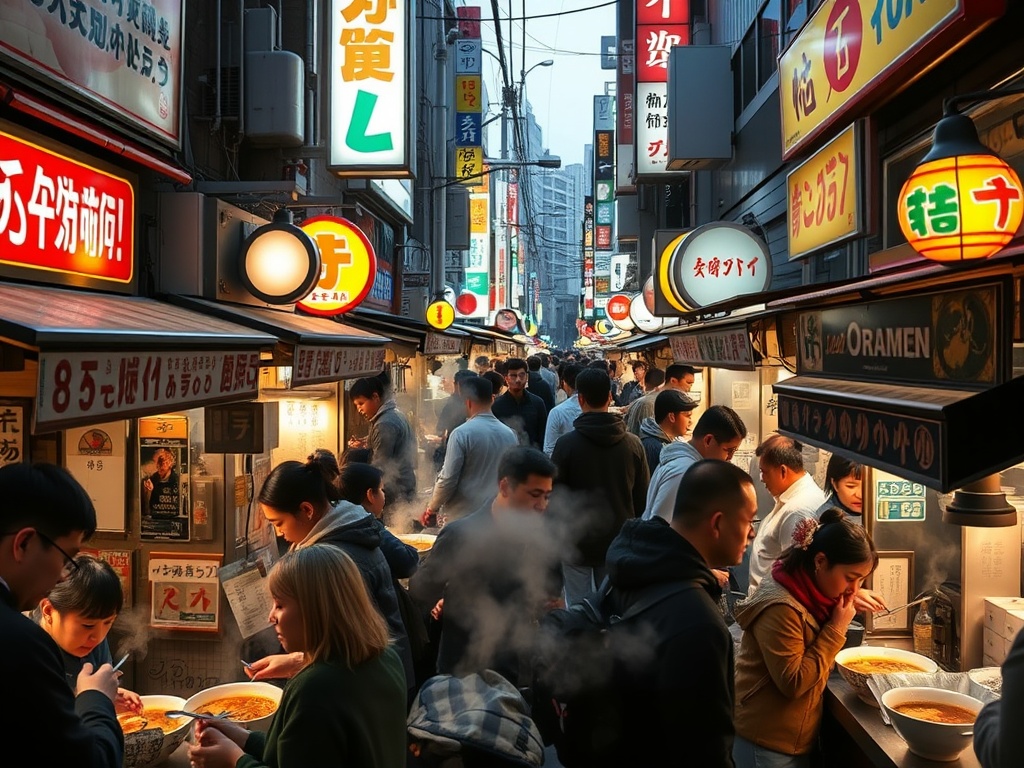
[994, 646]
[995, 612]
[1014, 624]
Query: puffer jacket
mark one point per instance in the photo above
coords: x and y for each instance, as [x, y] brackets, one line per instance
[782, 670]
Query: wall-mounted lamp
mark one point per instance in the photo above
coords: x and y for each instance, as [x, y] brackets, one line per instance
[279, 262]
[963, 201]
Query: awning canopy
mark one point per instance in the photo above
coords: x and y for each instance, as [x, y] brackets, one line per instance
[503, 343]
[318, 350]
[402, 329]
[102, 357]
[943, 438]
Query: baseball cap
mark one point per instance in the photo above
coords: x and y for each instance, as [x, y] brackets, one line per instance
[671, 401]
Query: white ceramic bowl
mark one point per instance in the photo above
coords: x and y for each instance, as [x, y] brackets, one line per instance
[927, 739]
[250, 688]
[143, 749]
[423, 542]
[859, 680]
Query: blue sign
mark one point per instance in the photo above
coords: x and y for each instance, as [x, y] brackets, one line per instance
[468, 129]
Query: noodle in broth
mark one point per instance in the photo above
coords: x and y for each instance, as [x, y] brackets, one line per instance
[150, 718]
[240, 708]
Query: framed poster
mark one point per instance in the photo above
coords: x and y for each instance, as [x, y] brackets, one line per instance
[97, 457]
[893, 580]
[163, 469]
[184, 591]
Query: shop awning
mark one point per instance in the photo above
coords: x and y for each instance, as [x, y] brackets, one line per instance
[318, 350]
[943, 438]
[103, 357]
[640, 343]
[503, 343]
[402, 329]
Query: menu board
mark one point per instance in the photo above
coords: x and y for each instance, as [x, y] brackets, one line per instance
[246, 586]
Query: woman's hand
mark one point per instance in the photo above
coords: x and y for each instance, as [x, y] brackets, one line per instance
[276, 667]
[218, 744]
[844, 612]
[869, 601]
[128, 701]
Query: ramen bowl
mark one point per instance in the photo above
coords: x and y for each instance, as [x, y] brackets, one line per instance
[856, 665]
[153, 744]
[423, 542]
[929, 738]
[246, 703]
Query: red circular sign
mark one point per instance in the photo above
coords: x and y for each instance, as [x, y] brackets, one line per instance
[618, 306]
[466, 303]
[842, 44]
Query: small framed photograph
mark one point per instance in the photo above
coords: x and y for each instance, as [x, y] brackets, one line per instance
[893, 580]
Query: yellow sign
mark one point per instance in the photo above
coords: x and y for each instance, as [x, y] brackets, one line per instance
[959, 208]
[348, 266]
[824, 196]
[440, 315]
[468, 96]
[846, 49]
[478, 205]
[469, 162]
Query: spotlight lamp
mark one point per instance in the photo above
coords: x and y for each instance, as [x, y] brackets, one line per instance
[279, 262]
[963, 201]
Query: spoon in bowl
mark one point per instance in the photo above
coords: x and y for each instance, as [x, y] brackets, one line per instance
[196, 715]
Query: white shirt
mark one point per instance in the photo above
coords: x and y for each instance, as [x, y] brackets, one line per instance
[560, 419]
[775, 533]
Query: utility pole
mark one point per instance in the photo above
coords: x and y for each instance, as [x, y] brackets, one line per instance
[439, 113]
[513, 279]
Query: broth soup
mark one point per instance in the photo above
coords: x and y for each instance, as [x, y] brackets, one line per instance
[150, 718]
[935, 712]
[240, 708]
[879, 665]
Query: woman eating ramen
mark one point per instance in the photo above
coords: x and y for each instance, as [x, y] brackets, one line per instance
[793, 626]
[347, 704]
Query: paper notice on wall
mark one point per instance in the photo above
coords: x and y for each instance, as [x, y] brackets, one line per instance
[246, 586]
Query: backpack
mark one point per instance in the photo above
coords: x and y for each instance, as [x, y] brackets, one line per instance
[574, 667]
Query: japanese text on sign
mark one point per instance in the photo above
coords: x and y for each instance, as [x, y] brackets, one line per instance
[121, 54]
[717, 349]
[824, 196]
[660, 25]
[60, 215]
[183, 570]
[85, 387]
[369, 83]
[319, 365]
[897, 499]
[185, 592]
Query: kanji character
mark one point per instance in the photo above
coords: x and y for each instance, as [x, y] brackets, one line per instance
[997, 190]
[367, 54]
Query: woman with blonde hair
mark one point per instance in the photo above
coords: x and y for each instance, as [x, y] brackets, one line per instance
[346, 706]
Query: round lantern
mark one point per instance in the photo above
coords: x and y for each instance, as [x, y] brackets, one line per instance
[962, 202]
[440, 314]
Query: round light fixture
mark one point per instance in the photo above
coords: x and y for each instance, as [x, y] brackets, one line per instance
[963, 201]
[279, 262]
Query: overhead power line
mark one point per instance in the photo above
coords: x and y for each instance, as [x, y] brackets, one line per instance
[537, 16]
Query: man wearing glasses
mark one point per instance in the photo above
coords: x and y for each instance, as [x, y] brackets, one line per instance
[79, 728]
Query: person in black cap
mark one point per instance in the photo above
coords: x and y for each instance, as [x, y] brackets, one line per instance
[673, 411]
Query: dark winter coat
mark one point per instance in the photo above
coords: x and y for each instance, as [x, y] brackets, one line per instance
[527, 417]
[602, 482]
[677, 701]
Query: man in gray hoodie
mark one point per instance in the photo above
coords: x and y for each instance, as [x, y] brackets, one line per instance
[718, 434]
[673, 411]
[390, 439]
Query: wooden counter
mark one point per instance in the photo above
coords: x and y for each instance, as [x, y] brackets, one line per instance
[855, 736]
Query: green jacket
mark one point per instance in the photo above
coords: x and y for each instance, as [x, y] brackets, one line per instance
[331, 715]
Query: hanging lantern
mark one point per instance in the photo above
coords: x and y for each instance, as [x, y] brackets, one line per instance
[962, 201]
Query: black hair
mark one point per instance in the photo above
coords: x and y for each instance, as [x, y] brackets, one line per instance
[707, 486]
[501, 367]
[533, 363]
[356, 456]
[655, 378]
[781, 451]
[601, 365]
[838, 468]
[367, 387]
[516, 364]
[326, 459]
[638, 363]
[462, 374]
[521, 461]
[594, 386]
[569, 373]
[678, 370]
[545, 358]
[496, 379]
[722, 423]
[291, 483]
[840, 540]
[91, 590]
[358, 478]
[477, 389]
[46, 497]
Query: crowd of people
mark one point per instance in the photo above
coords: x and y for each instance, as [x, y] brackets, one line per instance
[552, 486]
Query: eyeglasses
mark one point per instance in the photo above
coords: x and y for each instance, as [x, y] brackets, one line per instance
[70, 566]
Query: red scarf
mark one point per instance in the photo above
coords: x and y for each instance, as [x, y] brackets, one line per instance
[801, 586]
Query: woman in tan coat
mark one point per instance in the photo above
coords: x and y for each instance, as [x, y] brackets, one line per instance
[793, 627]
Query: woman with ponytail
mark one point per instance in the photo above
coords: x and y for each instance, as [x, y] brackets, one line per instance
[793, 626]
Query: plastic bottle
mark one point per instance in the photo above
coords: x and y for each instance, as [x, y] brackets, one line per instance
[923, 631]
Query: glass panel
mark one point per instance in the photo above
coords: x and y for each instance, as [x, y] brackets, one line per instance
[749, 54]
[768, 25]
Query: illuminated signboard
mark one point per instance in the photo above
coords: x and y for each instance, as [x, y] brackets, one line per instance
[59, 215]
[369, 87]
[348, 266]
[660, 25]
[824, 196]
[124, 57]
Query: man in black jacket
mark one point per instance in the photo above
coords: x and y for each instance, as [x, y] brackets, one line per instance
[602, 479]
[45, 517]
[676, 702]
[520, 409]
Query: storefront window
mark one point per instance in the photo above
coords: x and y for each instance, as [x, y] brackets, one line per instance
[768, 24]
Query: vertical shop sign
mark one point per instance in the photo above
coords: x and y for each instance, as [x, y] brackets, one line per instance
[513, 224]
[185, 591]
[626, 100]
[97, 457]
[660, 25]
[370, 99]
[469, 153]
[588, 257]
[12, 432]
[163, 467]
[500, 298]
[474, 300]
[124, 57]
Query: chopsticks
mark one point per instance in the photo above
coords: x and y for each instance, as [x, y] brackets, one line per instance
[890, 611]
[122, 661]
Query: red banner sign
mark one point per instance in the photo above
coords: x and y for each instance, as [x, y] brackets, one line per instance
[63, 216]
[89, 387]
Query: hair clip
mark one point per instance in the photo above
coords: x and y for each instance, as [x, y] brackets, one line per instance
[803, 535]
